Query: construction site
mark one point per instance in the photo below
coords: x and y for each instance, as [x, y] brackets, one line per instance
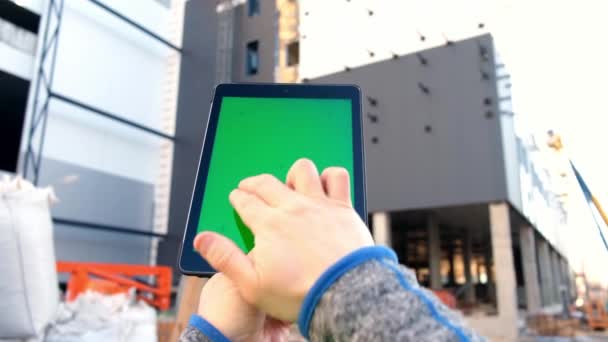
[105, 105]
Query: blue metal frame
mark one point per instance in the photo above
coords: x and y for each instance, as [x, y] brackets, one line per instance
[106, 227]
[136, 25]
[40, 111]
[109, 115]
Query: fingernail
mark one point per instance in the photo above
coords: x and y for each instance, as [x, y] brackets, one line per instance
[202, 242]
[232, 195]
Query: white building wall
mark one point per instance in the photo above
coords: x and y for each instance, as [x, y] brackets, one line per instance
[105, 63]
[162, 191]
[105, 172]
[35, 6]
[16, 62]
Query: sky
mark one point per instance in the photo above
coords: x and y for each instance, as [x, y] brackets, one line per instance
[556, 53]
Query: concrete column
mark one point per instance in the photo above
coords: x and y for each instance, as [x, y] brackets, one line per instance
[528, 259]
[487, 258]
[557, 276]
[381, 224]
[434, 252]
[502, 252]
[566, 280]
[452, 273]
[468, 258]
[565, 286]
[546, 275]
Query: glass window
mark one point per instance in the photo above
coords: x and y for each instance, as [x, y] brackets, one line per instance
[253, 58]
[13, 96]
[253, 7]
[293, 53]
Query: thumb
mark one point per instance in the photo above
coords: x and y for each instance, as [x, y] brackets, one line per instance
[224, 255]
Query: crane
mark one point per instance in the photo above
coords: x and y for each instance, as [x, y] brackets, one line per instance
[555, 142]
[594, 306]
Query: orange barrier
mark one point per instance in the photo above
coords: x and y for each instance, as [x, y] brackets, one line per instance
[446, 297]
[597, 318]
[118, 278]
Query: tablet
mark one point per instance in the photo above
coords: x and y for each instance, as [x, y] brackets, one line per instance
[264, 128]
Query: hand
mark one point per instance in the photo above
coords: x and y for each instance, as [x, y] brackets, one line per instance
[301, 228]
[222, 305]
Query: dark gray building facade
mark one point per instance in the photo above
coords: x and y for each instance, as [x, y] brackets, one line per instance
[428, 118]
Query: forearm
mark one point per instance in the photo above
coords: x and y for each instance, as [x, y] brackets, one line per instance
[380, 300]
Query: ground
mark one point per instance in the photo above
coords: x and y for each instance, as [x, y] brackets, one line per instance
[581, 336]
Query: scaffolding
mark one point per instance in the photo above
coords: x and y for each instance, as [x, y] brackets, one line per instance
[44, 94]
[225, 40]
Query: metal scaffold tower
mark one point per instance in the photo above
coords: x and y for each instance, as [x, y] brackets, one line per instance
[44, 95]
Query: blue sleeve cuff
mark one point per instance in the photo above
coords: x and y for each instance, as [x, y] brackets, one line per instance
[329, 277]
[207, 329]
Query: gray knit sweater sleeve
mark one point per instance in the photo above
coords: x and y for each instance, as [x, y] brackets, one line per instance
[191, 334]
[378, 300]
[382, 301]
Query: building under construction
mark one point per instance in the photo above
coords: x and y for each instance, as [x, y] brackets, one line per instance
[455, 183]
[454, 186]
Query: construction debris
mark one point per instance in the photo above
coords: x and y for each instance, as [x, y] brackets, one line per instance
[550, 325]
[95, 317]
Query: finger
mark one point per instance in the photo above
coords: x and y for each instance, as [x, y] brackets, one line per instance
[278, 330]
[268, 188]
[336, 183]
[252, 210]
[303, 177]
[224, 256]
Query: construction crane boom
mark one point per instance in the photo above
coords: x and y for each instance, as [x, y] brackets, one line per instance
[555, 142]
[592, 202]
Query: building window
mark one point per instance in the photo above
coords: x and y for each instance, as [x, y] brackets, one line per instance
[253, 58]
[253, 7]
[293, 53]
[13, 96]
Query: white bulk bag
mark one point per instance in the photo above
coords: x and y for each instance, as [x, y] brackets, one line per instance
[29, 293]
[96, 317]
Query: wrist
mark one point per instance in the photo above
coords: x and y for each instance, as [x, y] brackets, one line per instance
[332, 274]
[208, 329]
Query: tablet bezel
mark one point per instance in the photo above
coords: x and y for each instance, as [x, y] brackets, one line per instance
[190, 262]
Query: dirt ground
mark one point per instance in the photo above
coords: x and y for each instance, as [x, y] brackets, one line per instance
[581, 336]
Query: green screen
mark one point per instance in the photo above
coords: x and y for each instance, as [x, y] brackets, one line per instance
[267, 135]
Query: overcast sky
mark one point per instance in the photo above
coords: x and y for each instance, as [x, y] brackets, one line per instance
[557, 54]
